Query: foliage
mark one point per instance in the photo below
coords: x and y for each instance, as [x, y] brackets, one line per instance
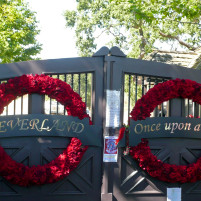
[18, 31]
[136, 25]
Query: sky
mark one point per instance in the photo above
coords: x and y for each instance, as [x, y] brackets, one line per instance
[57, 40]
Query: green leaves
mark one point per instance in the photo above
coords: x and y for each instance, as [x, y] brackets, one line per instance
[18, 31]
[70, 17]
[135, 25]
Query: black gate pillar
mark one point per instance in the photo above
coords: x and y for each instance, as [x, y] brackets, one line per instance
[111, 83]
[176, 110]
[176, 107]
[36, 104]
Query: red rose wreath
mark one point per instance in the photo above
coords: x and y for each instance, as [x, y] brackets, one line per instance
[142, 153]
[59, 168]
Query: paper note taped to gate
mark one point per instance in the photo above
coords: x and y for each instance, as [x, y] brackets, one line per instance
[112, 108]
[173, 194]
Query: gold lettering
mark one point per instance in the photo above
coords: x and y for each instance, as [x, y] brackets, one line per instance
[66, 124]
[2, 126]
[57, 128]
[24, 124]
[34, 124]
[77, 128]
[187, 126]
[167, 127]
[174, 127]
[42, 125]
[10, 123]
[152, 129]
[146, 128]
[180, 126]
[63, 124]
[55, 124]
[74, 126]
[197, 127]
[70, 126]
[158, 126]
[141, 128]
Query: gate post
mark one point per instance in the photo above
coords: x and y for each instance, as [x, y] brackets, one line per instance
[176, 110]
[33, 107]
[112, 85]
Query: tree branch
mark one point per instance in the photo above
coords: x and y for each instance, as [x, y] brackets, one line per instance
[190, 47]
[143, 44]
[109, 30]
[196, 23]
[101, 33]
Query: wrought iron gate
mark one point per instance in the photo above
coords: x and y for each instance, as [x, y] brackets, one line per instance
[85, 181]
[134, 78]
[91, 77]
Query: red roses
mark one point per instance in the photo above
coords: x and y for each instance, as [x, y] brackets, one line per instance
[57, 169]
[163, 171]
[142, 153]
[164, 92]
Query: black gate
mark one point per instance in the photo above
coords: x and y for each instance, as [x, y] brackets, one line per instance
[94, 180]
[85, 182]
[133, 78]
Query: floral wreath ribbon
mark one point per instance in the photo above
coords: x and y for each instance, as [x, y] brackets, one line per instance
[148, 162]
[22, 175]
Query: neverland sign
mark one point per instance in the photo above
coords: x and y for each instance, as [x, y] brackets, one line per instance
[141, 126]
[39, 125]
[166, 127]
[163, 127]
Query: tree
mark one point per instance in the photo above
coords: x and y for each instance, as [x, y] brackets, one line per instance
[18, 31]
[136, 25]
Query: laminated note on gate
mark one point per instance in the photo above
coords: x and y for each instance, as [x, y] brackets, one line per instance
[173, 194]
[112, 108]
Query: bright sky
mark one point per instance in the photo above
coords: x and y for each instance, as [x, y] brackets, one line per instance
[58, 41]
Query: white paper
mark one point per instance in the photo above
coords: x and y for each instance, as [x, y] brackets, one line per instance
[110, 149]
[112, 108]
[173, 194]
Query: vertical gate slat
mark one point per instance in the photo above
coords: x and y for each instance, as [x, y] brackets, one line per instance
[142, 85]
[129, 95]
[86, 89]
[72, 75]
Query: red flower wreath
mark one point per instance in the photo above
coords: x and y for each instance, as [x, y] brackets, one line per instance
[142, 153]
[59, 168]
